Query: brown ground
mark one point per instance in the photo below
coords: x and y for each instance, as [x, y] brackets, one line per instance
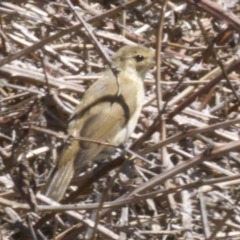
[180, 178]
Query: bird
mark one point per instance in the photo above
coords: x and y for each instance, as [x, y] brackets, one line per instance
[108, 112]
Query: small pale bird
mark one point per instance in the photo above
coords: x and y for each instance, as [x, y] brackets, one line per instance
[108, 112]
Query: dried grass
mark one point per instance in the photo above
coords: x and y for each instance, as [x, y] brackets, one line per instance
[180, 177]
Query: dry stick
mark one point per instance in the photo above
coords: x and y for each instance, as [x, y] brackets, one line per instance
[45, 73]
[91, 232]
[186, 212]
[158, 56]
[230, 18]
[128, 34]
[215, 56]
[192, 132]
[84, 220]
[157, 120]
[204, 217]
[103, 197]
[223, 221]
[29, 222]
[26, 170]
[17, 222]
[182, 167]
[120, 202]
[27, 75]
[165, 159]
[98, 45]
[90, 32]
[205, 5]
[217, 11]
[23, 15]
[160, 179]
[204, 89]
[83, 186]
[70, 233]
[25, 89]
[234, 65]
[60, 34]
[65, 136]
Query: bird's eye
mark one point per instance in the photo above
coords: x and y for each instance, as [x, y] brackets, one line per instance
[139, 58]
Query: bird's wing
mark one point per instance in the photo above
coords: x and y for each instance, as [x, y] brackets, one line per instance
[102, 116]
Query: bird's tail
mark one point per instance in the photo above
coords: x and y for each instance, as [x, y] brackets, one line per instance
[57, 184]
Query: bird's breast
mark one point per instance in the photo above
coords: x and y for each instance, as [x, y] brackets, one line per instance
[137, 97]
